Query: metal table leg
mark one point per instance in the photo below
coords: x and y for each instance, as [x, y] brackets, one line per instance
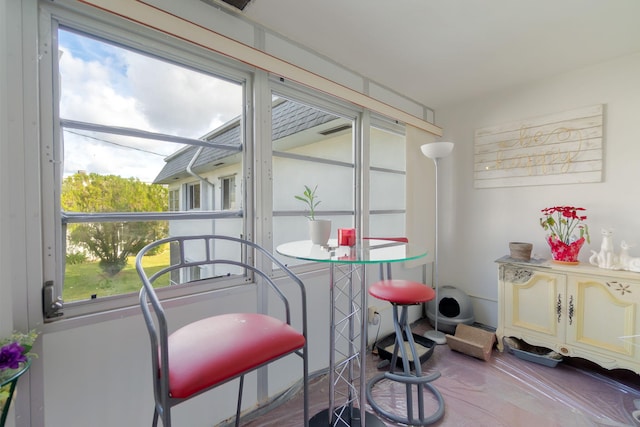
[347, 351]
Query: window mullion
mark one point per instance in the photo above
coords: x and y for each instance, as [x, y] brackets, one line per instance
[74, 124]
[79, 217]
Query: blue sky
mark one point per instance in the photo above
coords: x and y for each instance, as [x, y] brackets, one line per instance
[88, 49]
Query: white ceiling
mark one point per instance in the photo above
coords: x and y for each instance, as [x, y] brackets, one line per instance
[441, 52]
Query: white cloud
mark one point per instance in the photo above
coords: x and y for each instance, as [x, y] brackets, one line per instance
[112, 86]
[180, 101]
[88, 94]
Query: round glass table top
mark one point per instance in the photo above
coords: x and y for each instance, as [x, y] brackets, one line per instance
[369, 251]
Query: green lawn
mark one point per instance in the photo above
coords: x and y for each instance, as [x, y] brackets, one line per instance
[84, 280]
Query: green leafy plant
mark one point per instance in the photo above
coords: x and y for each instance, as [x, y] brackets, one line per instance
[309, 198]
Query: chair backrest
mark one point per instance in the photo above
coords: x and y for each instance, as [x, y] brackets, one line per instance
[242, 257]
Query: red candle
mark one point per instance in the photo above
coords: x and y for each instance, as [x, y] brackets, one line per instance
[346, 236]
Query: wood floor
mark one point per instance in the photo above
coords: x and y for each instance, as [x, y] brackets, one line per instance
[505, 391]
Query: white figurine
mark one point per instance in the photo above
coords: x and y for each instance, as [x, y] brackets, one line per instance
[607, 257]
[624, 258]
[634, 265]
[628, 262]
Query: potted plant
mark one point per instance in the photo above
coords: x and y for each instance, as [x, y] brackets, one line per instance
[562, 222]
[319, 229]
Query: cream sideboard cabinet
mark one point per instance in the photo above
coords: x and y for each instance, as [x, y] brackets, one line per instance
[575, 310]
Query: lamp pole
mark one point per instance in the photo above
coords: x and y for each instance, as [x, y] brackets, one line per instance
[436, 151]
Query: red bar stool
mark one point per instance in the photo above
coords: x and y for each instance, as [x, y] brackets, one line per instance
[402, 294]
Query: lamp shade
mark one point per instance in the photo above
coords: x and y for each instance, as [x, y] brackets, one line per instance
[437, 150]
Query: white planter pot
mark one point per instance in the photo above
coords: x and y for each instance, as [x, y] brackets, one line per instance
[320, 231]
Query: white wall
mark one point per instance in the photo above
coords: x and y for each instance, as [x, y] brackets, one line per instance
[477, 224]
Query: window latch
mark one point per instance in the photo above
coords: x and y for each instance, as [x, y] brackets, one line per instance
[51, 304]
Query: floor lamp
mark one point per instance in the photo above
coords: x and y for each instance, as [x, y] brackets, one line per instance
[435, 151]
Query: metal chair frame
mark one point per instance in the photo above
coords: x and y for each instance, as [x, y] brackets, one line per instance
[157, 324]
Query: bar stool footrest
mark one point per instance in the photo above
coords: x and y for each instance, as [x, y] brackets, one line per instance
[421, 382]
[412, 379]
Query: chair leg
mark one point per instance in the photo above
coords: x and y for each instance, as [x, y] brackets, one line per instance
[403, 329]
[165, 416]
[239, 407]
[406, 327]
[305, 387]
[399, 344]
[154, 423]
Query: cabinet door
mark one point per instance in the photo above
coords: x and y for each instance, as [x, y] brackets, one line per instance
[602, 311]
[533, 305]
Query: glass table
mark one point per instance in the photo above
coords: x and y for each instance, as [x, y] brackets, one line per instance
[348, 320]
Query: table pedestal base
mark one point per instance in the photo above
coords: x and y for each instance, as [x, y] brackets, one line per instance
[321, 419]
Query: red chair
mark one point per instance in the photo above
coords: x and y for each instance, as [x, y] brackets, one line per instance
[215, 350]
[402, 294]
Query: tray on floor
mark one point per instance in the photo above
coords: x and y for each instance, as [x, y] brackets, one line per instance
[540, 355]
[424, 346]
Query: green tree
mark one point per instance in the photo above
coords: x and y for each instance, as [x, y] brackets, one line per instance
[113, 242]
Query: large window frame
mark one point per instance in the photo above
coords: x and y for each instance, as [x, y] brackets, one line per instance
[363, 122]
[55, 221]
[351, 216]
[256, 202]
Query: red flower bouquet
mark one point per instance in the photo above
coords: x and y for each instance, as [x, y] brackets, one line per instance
[562, 223]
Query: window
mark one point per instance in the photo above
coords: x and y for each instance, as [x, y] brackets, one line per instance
[174, 200]
[387, 177]
[128, 157]
[193, 196]
[316, 143]
[228, 189]
[313, 145]
[142, 128]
